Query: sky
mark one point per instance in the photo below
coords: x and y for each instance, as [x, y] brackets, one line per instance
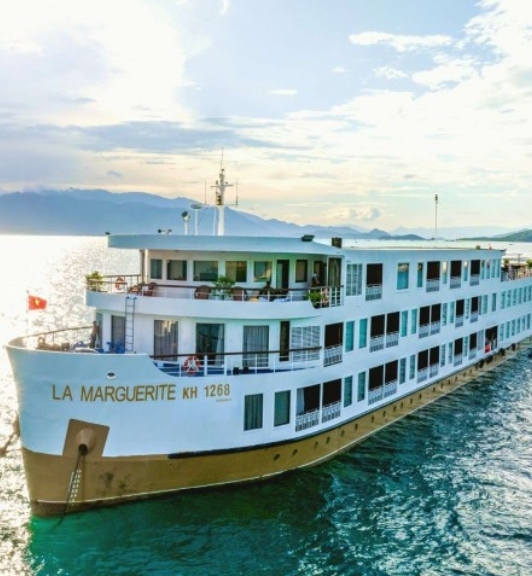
[333, 112]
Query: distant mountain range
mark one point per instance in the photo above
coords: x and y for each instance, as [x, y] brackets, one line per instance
[95, 212]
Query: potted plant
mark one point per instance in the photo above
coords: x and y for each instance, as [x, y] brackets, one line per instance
[223, 287]
[315, 297]
[95, 281]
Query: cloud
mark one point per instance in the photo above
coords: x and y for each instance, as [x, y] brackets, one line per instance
[399, 42]
[389, 73]
[339, 70]
[284, 92]
[114, 174]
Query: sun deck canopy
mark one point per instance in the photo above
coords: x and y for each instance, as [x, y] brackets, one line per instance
[221, 244]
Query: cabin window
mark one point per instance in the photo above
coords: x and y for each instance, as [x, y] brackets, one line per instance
[253, 411]
[412, 367]
[118, 334]
[445, 271]
[442, 355]
[402, 276]
[420, 275]
[413, 321]
[156, 269]
[465, 270]
[176, 270]
[353, 281]
[305, 343]
[348, 391]
[255, 347]
[262, 271]
[363, 333]
[205, 270]
[404, 322]
[444, 314]
[402, 370]
[284, 341]
[282, 408]
[349, 336]
[301, 270]
[361, 388]
[165, 338]
[210, 342]
[236, 270]
[494, 302]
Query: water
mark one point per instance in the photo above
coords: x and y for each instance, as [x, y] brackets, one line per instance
[447, 491]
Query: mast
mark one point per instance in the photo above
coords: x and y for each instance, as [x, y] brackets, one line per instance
[220, 187]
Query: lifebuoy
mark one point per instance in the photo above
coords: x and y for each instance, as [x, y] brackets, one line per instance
[120, 283]
[192, 365]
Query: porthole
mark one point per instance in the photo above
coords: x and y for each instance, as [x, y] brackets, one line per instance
[328, 440]
[294, 452]
[276, 457]
[111, 375]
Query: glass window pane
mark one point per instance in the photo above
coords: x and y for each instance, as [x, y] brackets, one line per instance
[262, 271]
[205, 270]
[282, 408]
[301, 270]
[253, 412]
[156, 269]
[237, 270]
[176, 270]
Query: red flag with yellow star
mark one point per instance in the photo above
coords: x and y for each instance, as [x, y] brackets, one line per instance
[36, 303]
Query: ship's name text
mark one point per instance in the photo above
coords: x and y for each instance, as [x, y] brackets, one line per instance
[141, 393]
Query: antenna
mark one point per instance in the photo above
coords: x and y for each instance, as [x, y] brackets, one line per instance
[435, 216]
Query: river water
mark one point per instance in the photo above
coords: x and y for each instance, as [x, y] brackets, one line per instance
[446, 491]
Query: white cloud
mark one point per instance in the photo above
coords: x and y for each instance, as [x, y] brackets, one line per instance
[339, 70]
[389, 73]
[284, 92]
[399, 42]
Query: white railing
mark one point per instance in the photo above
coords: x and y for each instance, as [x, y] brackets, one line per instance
[474, 280]
[474, 316]
[457, 359]
[376, 343]
[435, 327]
[424, 330]
[433, 370]
[433, 284]
[390, 388]
[330, 411]
[375, 395]
[422, 375]
[332, 355]
[455, 282]
[472, 354]
[307, 420]
[459, 321]
[374, 292]
[392, 339]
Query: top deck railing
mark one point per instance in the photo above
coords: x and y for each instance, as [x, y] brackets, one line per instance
[320, 296]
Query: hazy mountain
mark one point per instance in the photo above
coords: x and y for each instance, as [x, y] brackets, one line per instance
[94, 212]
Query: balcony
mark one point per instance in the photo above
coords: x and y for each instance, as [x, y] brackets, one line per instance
[330, 411]
[374, 292]
[392, 339]
[455, 282]
[376, 343]
[332, 355]
[307, 420]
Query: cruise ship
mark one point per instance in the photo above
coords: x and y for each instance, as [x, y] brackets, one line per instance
[231, 359]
